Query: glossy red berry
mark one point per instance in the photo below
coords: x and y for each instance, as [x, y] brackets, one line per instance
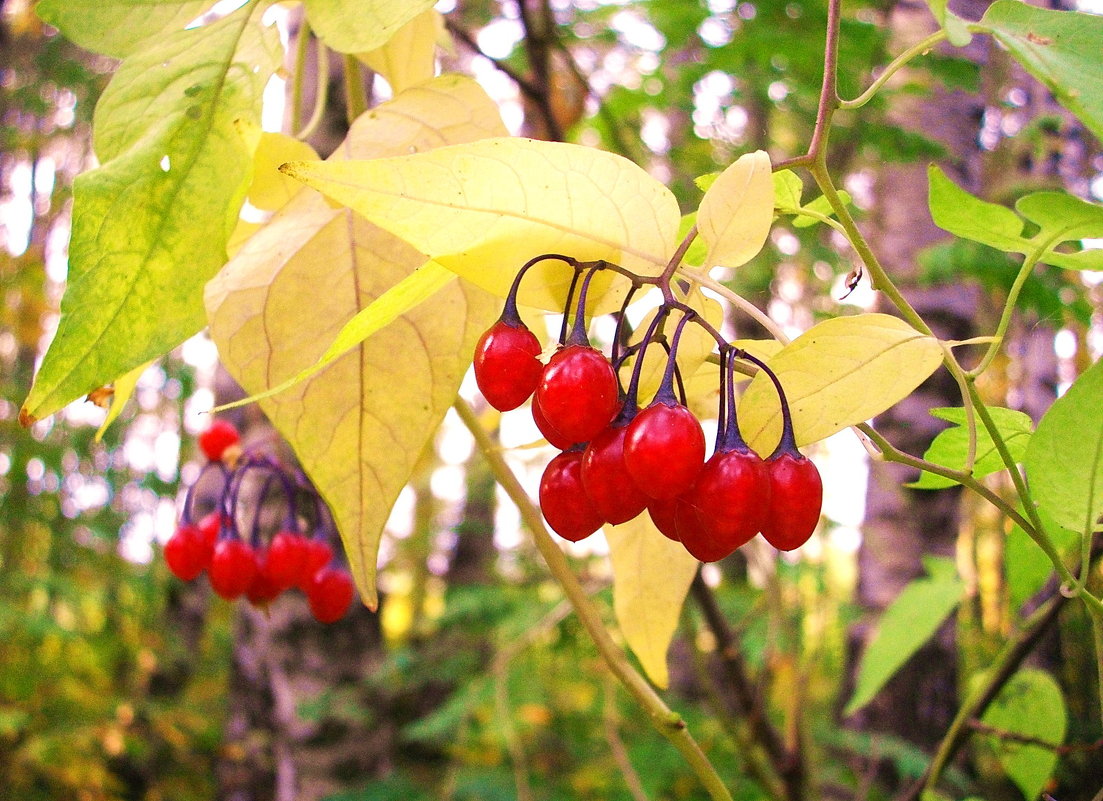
[563, 500]
[263, 589]
[732, 497]
[186, 552]
[287, 558]
[664, 450]
[330, 593]
[613, 494]
[219, 436]
[507, 365]
[578, 392]
[556, 439]
[232, 568]
[209, 526]
[663, 514]
[318, 554]
[796, 495]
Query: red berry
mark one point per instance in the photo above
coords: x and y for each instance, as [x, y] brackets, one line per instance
[507, 367]
[663, 515]
[186, 552]
[329, 593]
[578, 392]
[695, 535]
[263, 589]
[287, 558]
[232, 568]
[613, 494]
[317, 555]
[556, 439]
[217, 438]
[732, 497]
[209, 526]
[796, 495]
[563, 500]
[664, 450]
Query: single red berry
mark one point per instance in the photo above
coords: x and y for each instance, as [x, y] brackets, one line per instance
[563, 500]
[610, 490]
[209, 525]
[578, 392]
[507, 365]
[732, 497]
[695, 534]
[186, 552]
[330, 593]
[287, 558]
[796, 495]
[232, 568]
[556, 439]
[217, 438]
[664, 450]
[317, 555]
[263, 589]
[663, 515]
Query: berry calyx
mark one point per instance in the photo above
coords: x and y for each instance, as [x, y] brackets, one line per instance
[563, 500]
[217, 438]
[232, 568]
[507, 364]
[664, 449]
[613, 494]
[330, 593]
[796, 496]
[186, 552]
[578, 392]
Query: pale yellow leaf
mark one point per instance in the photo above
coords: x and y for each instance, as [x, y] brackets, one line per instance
[358, 426]
[271, 188]
[123, 388]
[837, 374]
[357, 26]
[737, 210]
[408, 57]
[485, 208]
[651, 576]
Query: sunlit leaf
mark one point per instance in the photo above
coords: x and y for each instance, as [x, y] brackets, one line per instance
[123, 388]
[651, 576]
[1031, 705]
[356, 26]
[1064, 460]
[151, 225]
[483, 209]
[951, 447]
[788, 189]
[1059, 48]
[116, 27]
[408, 57]
[360, 425]
[270, 188]
[907, 623]
[839, 373]
[737, 210]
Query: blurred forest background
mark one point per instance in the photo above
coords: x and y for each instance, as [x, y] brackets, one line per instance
[473, 681]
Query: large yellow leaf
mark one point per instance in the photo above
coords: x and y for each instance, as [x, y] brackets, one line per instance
[484, 208]
[409, 57]
[837, 374]
[651, 576]
[359, 425]
[737, 210]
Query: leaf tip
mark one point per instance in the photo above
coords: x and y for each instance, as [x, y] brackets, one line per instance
[26, 419]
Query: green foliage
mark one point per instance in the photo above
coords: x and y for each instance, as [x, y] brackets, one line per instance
[951, 447]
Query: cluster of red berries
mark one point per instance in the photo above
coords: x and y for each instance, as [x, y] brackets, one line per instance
[618, 460]
[258, 570]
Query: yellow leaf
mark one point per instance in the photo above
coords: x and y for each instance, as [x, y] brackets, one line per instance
[271, 188]
[485, 208]
[651, 576]
[737, 210]
[355, 26]
[123, 388]
[408, 57]
[837, 374]
[358, 426]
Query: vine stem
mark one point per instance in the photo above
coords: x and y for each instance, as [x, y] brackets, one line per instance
[666, 721]
[917, 49]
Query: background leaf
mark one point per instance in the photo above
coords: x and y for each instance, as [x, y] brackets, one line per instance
[1064, 460]
[651, 576]
[907, 623]
[116, 27]
[951, 447]
[483, 209]
[356, 26]
[737, 210]
[838, 373]
[408, 57]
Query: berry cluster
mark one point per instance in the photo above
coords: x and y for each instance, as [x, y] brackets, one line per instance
[619, 460]
[258, 569]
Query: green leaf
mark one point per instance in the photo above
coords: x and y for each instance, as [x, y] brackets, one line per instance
[819, 206]
[1064, 460]
[788, 188]
[355, 26]
[1059, 216]
[951, 447]
[1030, 705]
[1026, 570]
[150, 226]
[116, 27]
[956, 32]
[905, 626]
[1059, 48]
